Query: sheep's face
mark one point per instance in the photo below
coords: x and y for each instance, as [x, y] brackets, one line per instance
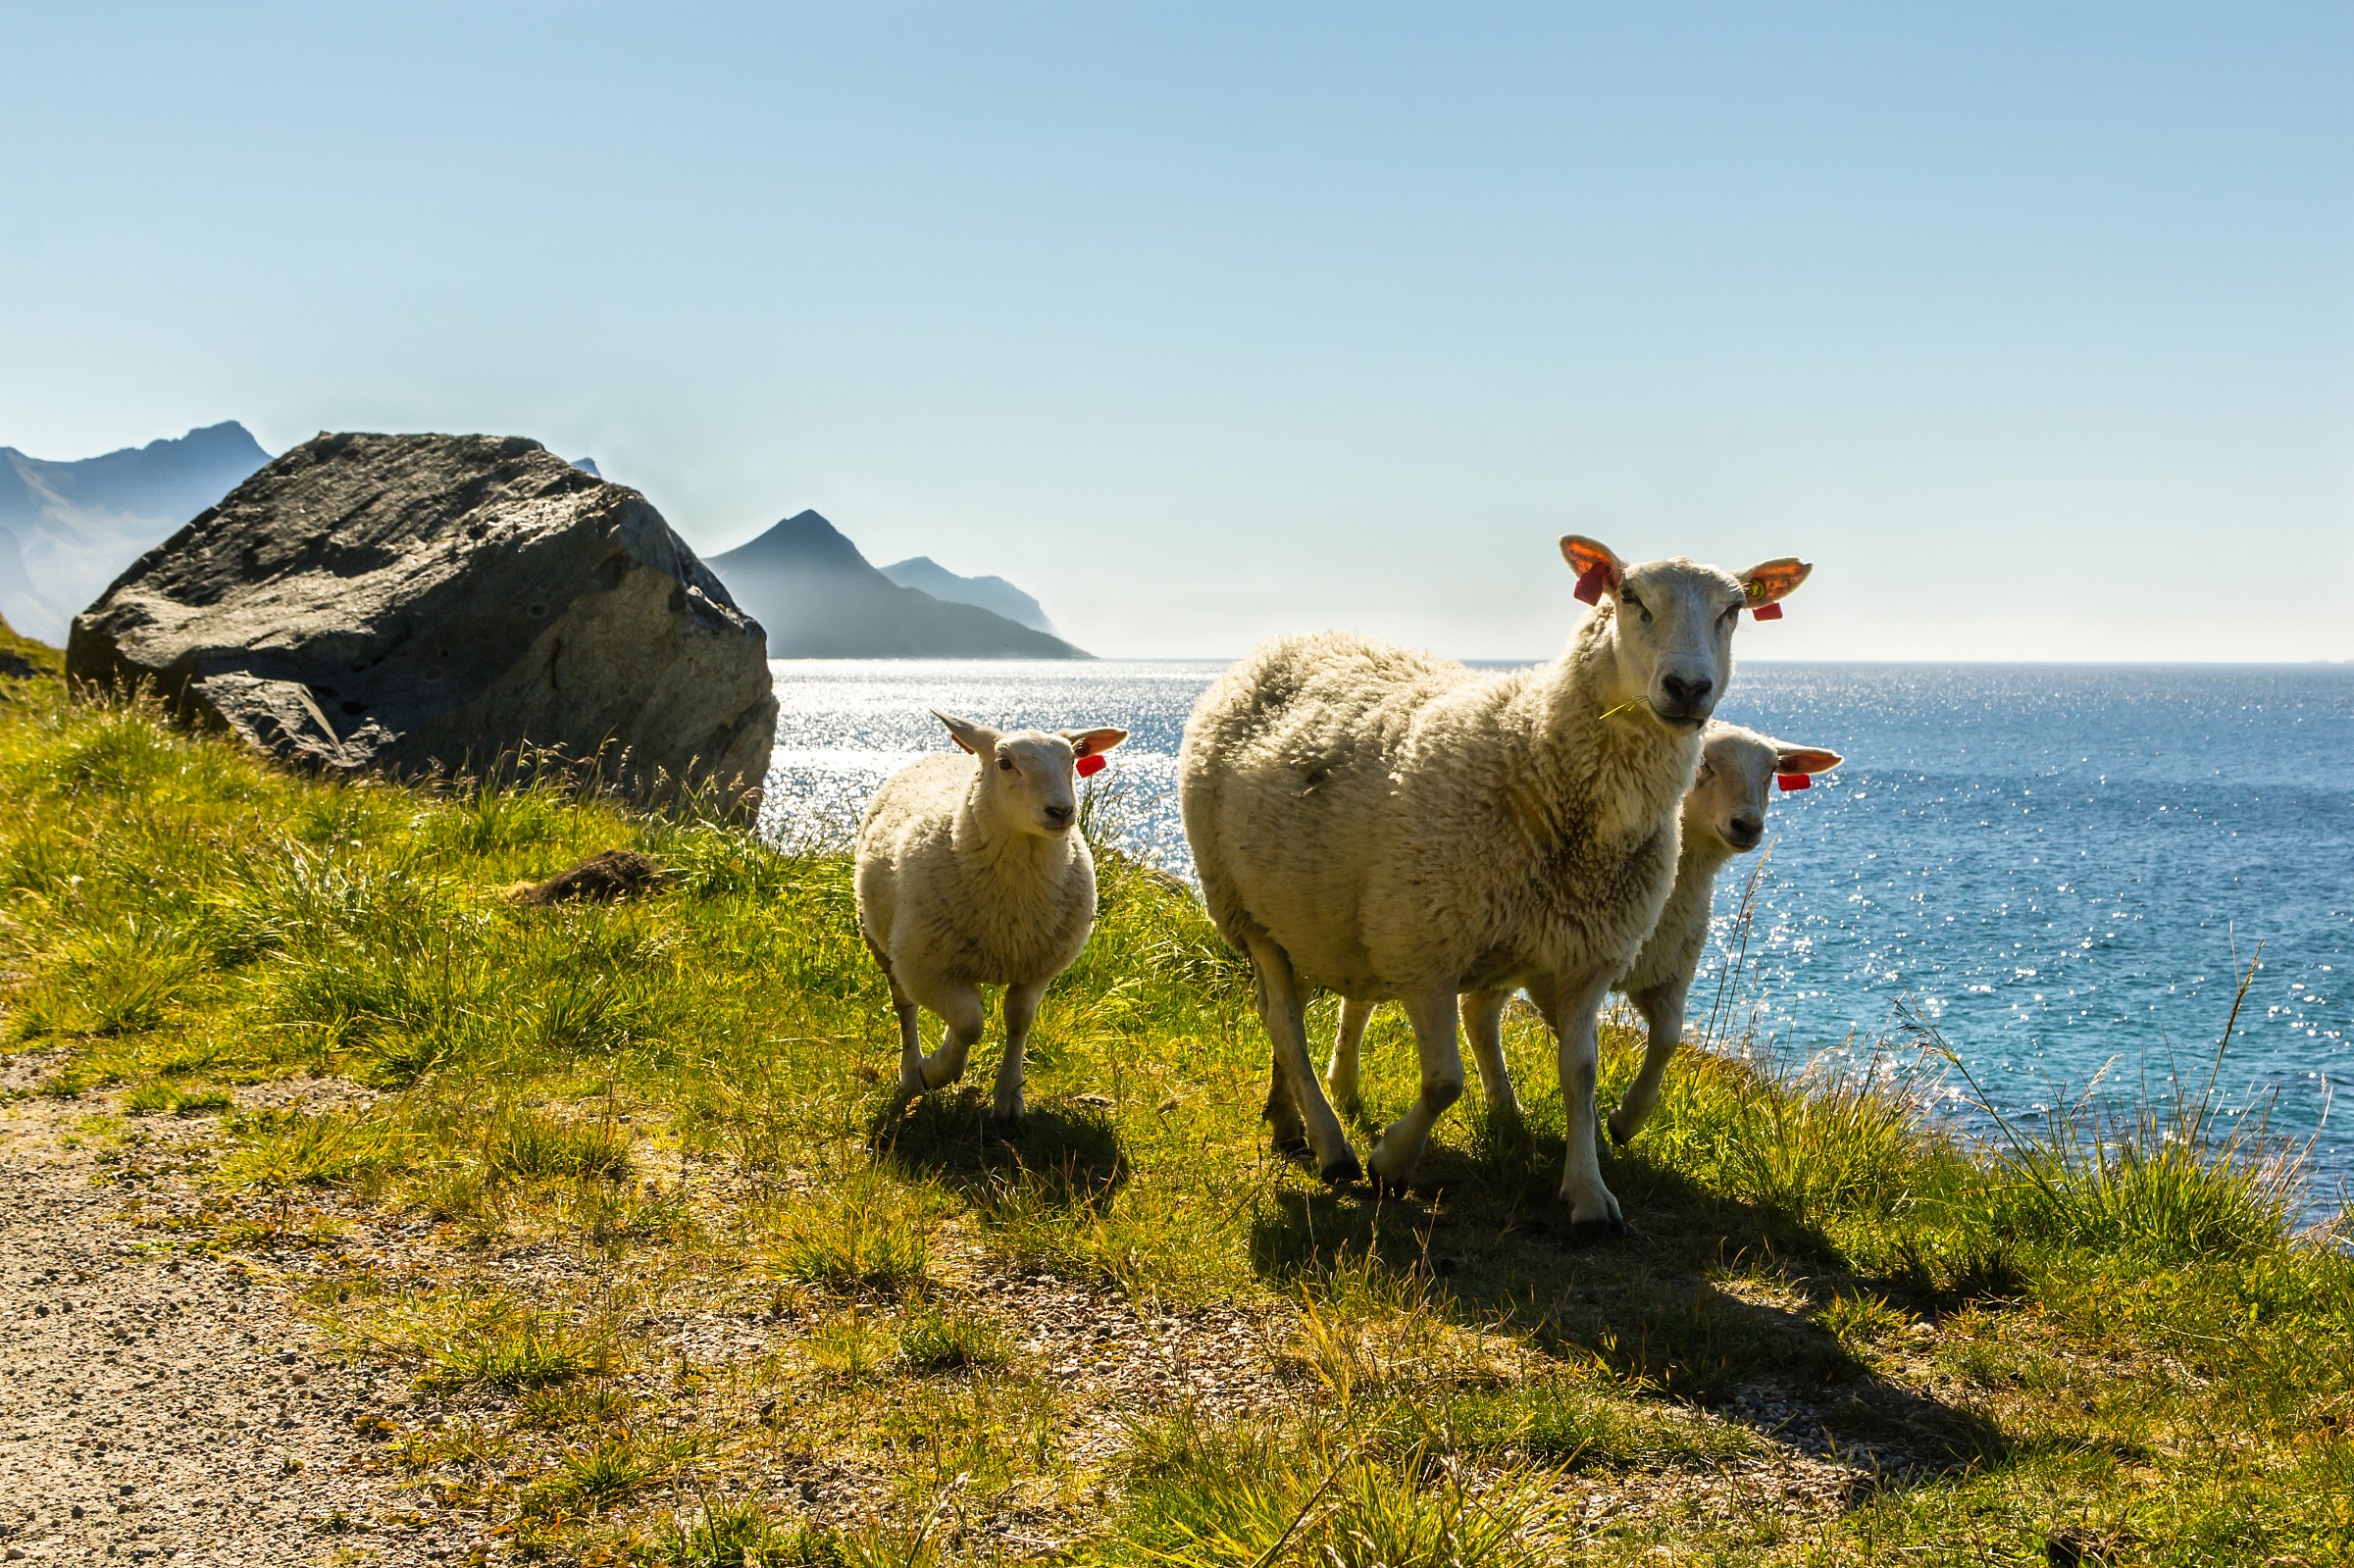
[1737, 772]
[1027, 779]
[1674, 621]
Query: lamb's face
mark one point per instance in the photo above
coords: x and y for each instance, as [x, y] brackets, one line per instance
[1727, 802]
[1026, 777]
[1737, 772]
[1673, 624]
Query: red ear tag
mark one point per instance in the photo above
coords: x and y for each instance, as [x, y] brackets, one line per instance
[1771, 612]
[1794, 780]
[1087, 767]
[1590, 583]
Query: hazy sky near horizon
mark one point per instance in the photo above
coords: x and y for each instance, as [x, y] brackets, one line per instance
[2033, 326]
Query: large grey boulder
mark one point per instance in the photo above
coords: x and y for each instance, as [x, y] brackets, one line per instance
[420, 604]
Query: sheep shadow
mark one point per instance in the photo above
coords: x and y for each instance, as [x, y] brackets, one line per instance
[1060, 1155]
[1670, 1308]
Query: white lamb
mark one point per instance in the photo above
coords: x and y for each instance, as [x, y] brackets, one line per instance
[970, 874]
[1724, 815]
[1389, 826]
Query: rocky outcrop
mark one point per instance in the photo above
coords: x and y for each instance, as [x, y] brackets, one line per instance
[22, 658]
[422, 604]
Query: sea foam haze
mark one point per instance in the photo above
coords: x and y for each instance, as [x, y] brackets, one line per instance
[2058, 865]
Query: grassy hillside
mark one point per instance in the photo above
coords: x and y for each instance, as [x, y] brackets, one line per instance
[629, 1200]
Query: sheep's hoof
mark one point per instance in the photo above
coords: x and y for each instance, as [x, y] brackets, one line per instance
[1343, 1172]
[1293, 1146]
[1011, 1116]
[910, 1089]
[1585, 1233]
[1391, 1185]
[1624, 1123]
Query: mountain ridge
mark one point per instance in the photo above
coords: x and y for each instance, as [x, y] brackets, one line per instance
[819, 597]
[992, 593]
[69, 527]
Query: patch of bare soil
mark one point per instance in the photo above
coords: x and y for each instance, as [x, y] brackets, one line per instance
[167, 1407]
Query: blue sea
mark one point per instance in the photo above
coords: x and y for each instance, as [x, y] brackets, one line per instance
[2064, 869]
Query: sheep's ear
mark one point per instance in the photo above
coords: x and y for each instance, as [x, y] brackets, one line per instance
[1805, 759]
[1092, 742]
[1770, 580]
[977, 739]
[1599, 569]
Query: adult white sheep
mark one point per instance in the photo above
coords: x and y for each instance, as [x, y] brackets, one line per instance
[1370, 819]
[971, 873]
[1724, 815]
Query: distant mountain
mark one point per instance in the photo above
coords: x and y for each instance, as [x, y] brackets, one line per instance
[68, 530]
[821, 599]
[587, 466]
[994, 594]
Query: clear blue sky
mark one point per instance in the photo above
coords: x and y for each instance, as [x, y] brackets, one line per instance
[2033, 326]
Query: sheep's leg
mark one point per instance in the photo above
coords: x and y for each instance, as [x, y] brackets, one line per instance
[1483, 1027]
[963, 1011]
[1339, 1074]
[1663, 1010]
[1280, 1008]
[1287, 1133]
[1432, 1013]
[911, 1038]
[1573, 1006]
[1021, 1006]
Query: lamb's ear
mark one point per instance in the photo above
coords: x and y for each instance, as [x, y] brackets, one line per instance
[1805, 759]
[1599, 569]
[1770, 581]
[1092, 742]
[977, 739]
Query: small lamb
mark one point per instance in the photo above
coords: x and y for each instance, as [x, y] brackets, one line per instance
[1724, 815]
[971, 874]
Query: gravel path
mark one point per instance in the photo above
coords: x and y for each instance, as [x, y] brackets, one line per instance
[162, 1408]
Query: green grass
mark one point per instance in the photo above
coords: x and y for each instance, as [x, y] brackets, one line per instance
[500, 1342]
[1243, 1495]
[624, 1195]
[936, 1339]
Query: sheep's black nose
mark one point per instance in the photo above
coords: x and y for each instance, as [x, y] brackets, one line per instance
[1060, 815]
[1686, 693]
[1743, 831]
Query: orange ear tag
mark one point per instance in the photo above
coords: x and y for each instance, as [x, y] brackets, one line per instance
[1770, 612]
[1590, 583]
[1087, 767]
[1794, 780]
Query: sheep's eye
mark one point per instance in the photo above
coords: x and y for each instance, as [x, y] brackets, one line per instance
[1005, 763]
[1626, 596]
[1729, 616]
